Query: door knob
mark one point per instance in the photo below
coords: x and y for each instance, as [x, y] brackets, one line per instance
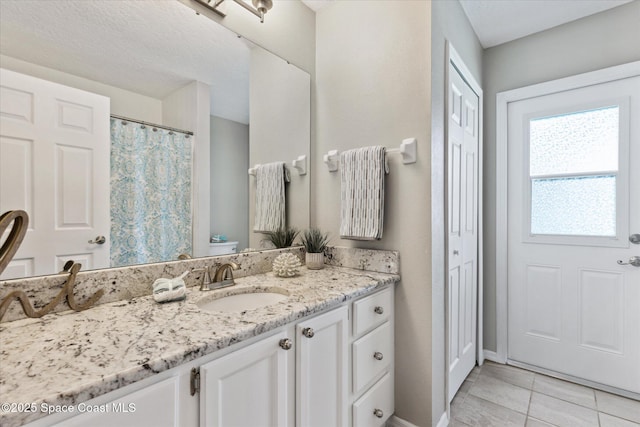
[634, 260]
[99, 240]
[378, 310]
[308, 332]
[378, 356]
[378, 413]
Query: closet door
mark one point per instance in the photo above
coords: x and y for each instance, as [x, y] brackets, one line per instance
[462, 227]
[54, 164]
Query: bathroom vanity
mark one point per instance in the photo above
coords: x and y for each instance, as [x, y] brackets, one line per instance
[322, 356]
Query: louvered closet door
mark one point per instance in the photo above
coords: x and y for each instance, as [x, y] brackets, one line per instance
[54, 164]
[462, 227]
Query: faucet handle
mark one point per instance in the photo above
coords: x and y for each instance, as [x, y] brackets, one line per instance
[206, 277]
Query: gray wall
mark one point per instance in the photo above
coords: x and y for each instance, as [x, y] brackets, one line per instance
[373, 62]
[280, 127]
[598, 41]
[449, 22]
[229, 180]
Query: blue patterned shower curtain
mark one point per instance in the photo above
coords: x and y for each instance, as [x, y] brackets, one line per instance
[150, 194]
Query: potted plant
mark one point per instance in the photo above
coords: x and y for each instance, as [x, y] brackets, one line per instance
[315, 243]
[282, 238]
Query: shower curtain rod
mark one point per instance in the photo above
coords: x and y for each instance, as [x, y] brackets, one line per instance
[127, 119]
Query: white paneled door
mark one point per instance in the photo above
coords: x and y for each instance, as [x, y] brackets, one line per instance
[573, 205]
[462, 227]
[54, 164]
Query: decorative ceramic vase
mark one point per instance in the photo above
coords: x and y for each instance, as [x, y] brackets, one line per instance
[314, 261]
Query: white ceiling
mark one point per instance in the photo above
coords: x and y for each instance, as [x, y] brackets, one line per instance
[499, 21]
[155, 47]
[147, 46]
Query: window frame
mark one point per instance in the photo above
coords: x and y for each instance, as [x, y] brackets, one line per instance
[621, 176]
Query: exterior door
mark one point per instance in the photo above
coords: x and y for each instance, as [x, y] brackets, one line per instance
[462, 227]
[573, 202]
[54, 164]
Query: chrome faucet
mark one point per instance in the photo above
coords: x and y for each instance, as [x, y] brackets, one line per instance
[224, 275]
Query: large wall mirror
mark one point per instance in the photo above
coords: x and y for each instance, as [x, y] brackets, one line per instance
[147, 61]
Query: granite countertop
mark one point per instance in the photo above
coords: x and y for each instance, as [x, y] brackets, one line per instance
[67, 358]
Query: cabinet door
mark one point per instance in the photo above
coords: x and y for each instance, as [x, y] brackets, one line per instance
[250, 387]
[156, 405]
[321, 366]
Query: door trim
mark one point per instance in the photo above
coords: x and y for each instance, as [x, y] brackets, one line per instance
[502, 101]
[454, 58]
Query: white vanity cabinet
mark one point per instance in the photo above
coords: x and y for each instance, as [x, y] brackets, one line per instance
[372, 352]
[322, 370]
[252, 386]
[333, 369]
[255, 386]
[155, 405]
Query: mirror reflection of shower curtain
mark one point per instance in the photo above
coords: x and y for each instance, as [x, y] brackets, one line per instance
[150, 194]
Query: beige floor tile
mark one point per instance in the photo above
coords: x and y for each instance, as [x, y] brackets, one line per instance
[479, 412]
[564, 390]
[509, 374]
[532, 422]
[473, 375]
[560, 412]
[611, 421]
[618, 406]
[501, 393]
[462, 392]
[457, 423]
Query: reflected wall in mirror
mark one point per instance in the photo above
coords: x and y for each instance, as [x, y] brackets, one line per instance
[150, 61]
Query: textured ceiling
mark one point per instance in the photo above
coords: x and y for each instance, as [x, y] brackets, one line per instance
[149, 47]
[499, 21]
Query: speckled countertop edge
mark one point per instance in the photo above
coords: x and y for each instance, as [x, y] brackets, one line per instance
[90, 353]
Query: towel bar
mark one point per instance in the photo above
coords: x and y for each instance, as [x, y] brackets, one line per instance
[407, 149]
[300, 164]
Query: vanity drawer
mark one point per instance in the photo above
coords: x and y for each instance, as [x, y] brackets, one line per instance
[372, 311]
[376, 406]
[371, 355]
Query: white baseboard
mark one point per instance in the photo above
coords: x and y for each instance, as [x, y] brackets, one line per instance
[395, 421]
[444, 420]
[492, 356]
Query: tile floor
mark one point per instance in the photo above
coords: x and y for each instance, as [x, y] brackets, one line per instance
[503, 396]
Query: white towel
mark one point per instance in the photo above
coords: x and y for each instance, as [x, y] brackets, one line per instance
[270, 197]
[362, 173]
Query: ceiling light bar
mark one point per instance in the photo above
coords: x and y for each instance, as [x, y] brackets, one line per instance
[259, 8]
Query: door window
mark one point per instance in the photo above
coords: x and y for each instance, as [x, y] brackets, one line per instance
[573, 175]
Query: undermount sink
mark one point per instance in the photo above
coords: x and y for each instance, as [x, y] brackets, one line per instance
[243, 299]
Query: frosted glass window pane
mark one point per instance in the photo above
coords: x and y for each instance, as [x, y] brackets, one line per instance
[584, 141]
[578, 206]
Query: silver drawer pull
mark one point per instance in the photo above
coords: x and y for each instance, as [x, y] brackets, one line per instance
[378, 413]
[285, 344]
[378, 356]
[308, 332]
[378, 310]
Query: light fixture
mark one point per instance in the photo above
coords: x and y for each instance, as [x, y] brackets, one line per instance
[259, 8]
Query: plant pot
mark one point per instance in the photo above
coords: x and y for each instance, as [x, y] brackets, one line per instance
[314, 261]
